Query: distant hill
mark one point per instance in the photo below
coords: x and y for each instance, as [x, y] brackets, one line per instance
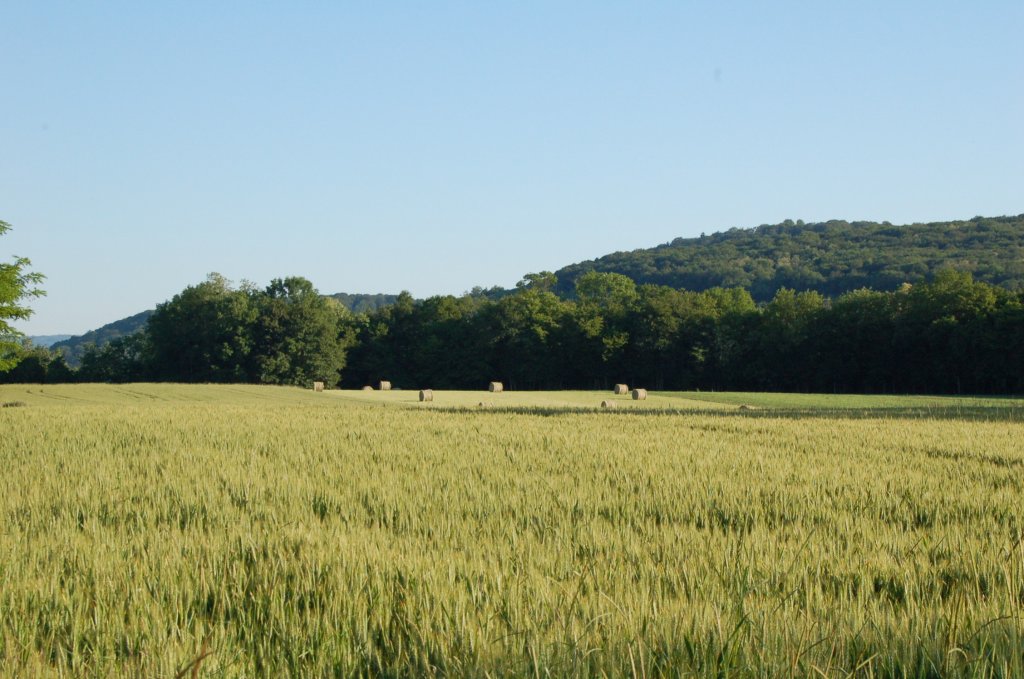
[830, 257]
[359, 303]
[48, 340]
[74, 347]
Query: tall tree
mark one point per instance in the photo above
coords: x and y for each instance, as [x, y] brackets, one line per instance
[523, 331]
[601, 326]
[17, 284]
[298, 335]
[203, 334]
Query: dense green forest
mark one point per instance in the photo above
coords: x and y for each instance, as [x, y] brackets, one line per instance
[951, 334]
[839, 307]
[830, 257]
[74, 348]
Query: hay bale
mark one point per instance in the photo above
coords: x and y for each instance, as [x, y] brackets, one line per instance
[639, 394]
[481, 404]
[318, 386]
[746, 407]
[367, 388]
[621, 389]
[607, 404]
[495, 387]
[426, 394]
[384, 385]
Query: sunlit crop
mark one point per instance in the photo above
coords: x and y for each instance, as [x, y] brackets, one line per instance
[256, 531]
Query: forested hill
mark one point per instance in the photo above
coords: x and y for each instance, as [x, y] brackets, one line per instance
[830, 257]
[74, 347]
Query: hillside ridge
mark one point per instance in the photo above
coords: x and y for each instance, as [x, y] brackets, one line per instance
[830, 257]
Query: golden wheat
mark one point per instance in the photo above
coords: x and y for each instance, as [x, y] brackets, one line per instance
[290, 534]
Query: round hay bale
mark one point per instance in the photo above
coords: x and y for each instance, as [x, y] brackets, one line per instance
[318, 386]
[621, 389]
[384, 385]
[367, 388]
[607, 404]
[746, 407]
[639, 394]
[495, 387]
[426, 394]
[481, 404]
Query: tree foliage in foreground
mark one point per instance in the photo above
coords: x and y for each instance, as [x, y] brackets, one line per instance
[17, 285]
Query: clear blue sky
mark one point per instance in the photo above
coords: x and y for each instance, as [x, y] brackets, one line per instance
[375, 147]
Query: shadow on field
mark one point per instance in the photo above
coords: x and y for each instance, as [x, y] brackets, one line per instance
[982, 414]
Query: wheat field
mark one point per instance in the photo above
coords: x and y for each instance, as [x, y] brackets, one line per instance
[220, 531]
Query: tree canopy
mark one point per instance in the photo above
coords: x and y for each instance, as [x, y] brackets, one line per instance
[17, 285]
[285, 333]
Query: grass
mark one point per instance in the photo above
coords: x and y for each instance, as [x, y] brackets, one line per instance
[524, 399]
[777, 403]
[296, 534]
[847, 401]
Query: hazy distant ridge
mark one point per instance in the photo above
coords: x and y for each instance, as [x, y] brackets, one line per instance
[47, 340]
[360, 302]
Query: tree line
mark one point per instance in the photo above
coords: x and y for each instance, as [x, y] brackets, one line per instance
[952, 334]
